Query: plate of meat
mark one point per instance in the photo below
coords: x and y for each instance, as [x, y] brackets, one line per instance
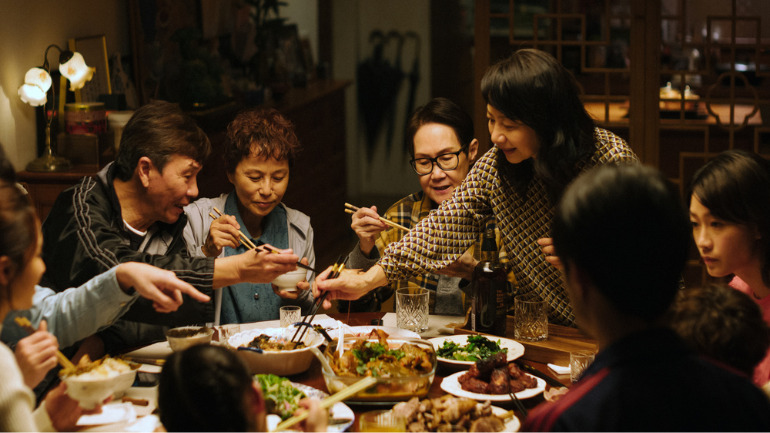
[492, 379]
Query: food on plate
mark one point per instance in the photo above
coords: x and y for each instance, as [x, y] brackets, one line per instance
[477, 348]
[403, 367]
[101, 368]
[449, 413]
[380, 359]
[496, 376]
[281, 397]
[266, 342]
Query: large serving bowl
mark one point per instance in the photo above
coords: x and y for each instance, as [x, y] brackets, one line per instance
[387, 389]
[282, 362]
[92, 388]
[187, 336]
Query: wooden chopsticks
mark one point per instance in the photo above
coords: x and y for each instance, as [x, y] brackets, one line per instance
[250, 245]
[25, 324]
[330, 401]
[349, 208]
[337, 268]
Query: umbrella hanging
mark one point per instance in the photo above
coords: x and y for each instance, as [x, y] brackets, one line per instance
[414, 79]
[378, 85]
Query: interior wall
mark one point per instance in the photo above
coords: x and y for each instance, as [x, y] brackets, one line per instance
[385, 174]
[27, 31]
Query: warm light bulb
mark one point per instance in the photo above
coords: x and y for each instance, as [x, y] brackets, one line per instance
[32, 95]
[38, 77]
[76, 70]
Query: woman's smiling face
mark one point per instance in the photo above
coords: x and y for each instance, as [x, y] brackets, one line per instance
[517, 141]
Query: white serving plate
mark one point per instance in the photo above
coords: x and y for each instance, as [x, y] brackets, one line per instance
[451, 385]
[515, 349]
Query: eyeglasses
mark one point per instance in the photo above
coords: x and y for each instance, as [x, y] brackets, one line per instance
[445, 161]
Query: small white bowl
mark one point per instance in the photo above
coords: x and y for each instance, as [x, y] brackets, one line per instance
[90, 391]
[283, 362]
[186, 336]
[288, 282]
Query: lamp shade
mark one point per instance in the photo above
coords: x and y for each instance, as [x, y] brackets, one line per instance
[37, 81]
[76, 70]
[38, 77]
[32, 95]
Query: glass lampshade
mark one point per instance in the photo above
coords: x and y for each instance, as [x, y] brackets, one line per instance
[37, 81]
[76, 71]
[32, 95]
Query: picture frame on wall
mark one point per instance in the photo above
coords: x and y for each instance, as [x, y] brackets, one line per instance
[94, 51]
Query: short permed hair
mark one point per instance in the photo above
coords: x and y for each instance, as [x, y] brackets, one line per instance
[261, 132]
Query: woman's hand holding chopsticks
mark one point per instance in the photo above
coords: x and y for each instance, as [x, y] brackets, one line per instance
[367, 224]
[258, 266]
[224, 232]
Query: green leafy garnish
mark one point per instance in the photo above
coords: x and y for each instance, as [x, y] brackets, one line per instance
[477, 348]
[281, 398]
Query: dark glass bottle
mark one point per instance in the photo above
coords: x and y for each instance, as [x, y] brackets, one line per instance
[489, 288]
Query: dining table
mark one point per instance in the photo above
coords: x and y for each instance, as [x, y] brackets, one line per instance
[536, 355]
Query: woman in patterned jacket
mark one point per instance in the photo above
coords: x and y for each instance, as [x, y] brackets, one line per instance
[543, 138]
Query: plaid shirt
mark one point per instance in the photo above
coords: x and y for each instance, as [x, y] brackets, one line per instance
[447, 232]
[407, 212]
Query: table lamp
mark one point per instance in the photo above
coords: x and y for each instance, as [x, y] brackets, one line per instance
[34, 91]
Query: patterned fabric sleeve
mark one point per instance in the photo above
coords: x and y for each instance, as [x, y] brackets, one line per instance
[449, 231]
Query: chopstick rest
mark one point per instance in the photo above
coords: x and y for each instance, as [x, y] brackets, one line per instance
[558, 369]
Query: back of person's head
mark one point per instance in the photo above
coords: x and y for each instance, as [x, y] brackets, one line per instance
[204, 388]
[18, 222]
[261, 132]
[625, 228]
[721, 323]
[159, 130]
[735, 187]
[445, 112]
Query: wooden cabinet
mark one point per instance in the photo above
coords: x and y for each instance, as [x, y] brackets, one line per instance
[43, 188]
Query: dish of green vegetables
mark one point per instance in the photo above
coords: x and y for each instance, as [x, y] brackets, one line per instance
[467, 349]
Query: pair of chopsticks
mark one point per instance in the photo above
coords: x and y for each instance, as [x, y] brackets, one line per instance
[349, 208]
[330, 401]
[519, 405]
[337, 268]
[26, 325]
[535, 372]
[250, 245]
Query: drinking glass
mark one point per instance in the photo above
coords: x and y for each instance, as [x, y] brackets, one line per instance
[578, 361]
[530, 320]
[381, 420]
[412, 308]
[290, 314]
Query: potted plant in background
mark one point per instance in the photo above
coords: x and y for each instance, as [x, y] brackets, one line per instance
[266, 17]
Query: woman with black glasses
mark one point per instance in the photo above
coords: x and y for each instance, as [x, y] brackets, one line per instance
[443, 146]
[543, 139]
